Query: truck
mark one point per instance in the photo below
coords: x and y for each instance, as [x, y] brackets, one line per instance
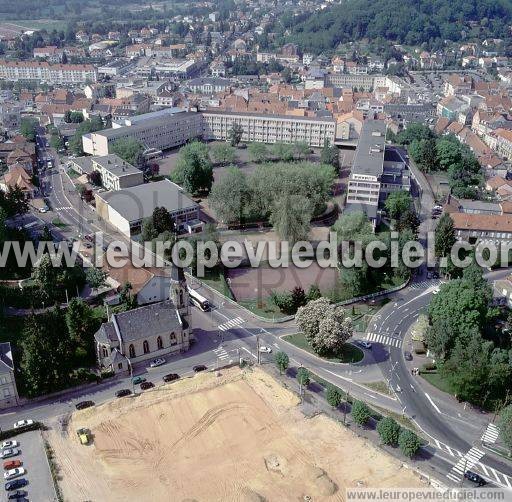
[84, 435]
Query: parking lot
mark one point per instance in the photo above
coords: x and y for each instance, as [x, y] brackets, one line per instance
[32, 454]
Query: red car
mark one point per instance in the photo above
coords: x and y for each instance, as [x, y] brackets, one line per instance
[12, 464]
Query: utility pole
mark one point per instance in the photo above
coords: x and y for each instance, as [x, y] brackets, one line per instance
[258, 349]
[345, 408]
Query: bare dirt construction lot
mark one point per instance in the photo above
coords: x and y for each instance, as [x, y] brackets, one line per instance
[237, 437]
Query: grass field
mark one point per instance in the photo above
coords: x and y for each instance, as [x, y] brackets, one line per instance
[437, 381]
[349, 353]
[262, 308]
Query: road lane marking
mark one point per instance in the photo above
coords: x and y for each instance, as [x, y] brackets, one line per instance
[432, 403]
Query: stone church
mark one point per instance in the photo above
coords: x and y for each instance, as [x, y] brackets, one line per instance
[147, 332]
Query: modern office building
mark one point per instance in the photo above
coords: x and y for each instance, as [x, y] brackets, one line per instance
[378, 169]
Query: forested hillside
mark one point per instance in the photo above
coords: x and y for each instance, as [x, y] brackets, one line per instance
[411, 22]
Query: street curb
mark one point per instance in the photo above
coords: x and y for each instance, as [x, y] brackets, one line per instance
[318, 357]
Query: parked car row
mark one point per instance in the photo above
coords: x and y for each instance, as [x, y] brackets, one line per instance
[13, 467]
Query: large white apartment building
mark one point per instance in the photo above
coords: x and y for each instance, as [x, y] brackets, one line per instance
[172, 127]
[269, 128]
[157, 130]
[46, 72]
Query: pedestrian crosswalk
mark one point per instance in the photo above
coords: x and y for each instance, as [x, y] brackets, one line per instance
[63, 208]
[384, 339]
[491, 434]
[221, 353]
[428, 283]
[471, 458]
[231, 323]
[498, 477]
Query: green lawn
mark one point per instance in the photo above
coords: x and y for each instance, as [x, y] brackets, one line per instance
[216, 280]
[262, 308]
[349, 353]
[381, 387]
[57, 222]
[437, 381]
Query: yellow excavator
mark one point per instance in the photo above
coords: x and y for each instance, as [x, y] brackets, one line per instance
[84, 435]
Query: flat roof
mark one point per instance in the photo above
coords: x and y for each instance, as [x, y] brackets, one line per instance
[369, 156]
[115, 165]
[292, 118]
[138, 202]
[121, 132]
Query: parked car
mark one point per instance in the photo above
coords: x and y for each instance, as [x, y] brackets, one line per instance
[146, 385]
[266, 350]
[123, 392]
[84, 404]
[10, 444]
[476, 478]
[18, 494]
[14, 473]
[11, 464]
[138, 379]
[157, 362]
[171, 377]
[10, 452]
[407, 356]
[364, 344]
[199, 367]
[22, 423]
[15, 484]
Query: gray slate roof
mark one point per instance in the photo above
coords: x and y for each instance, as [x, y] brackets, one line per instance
[150, 320]
[369, 156]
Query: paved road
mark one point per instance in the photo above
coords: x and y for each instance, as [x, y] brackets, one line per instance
[227, 333]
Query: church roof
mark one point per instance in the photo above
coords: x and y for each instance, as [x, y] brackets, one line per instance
[177, 274]
[150, 320]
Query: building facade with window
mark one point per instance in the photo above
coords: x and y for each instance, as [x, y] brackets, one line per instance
[8, 391]
[147, 332]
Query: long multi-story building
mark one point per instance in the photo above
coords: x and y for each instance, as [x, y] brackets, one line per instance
[46, 72]
[170, 128]
[269, 128]
[377, 171]
[157, 131]
[360, 81]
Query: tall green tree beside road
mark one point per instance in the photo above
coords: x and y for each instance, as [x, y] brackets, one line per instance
[505, 426]
[326, 327]
[360, 413]
[388, 430]
[282, 361]
[28, 127]
[96, 277]
[81, 323]
[333, 396]
[445, 236]
[46, 350]
[303, 377]
[409, 443]
[398, 203]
